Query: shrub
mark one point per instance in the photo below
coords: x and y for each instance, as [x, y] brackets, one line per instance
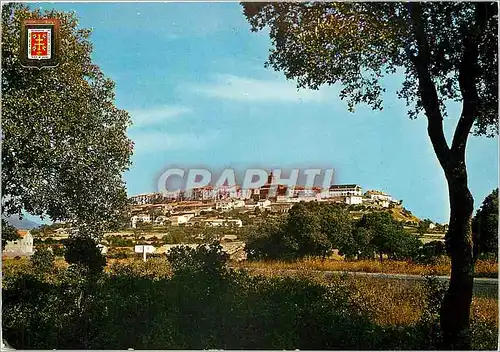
[203, 304]
[211, 258]
[83, 250]
[430, 252]
[42, 260]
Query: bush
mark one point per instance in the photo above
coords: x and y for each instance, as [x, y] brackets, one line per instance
[83, 250]
[42, 260]
[430, 252]
[119, 253]
[207, 259]
[203, 304]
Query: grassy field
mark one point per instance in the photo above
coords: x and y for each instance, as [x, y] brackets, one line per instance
[483, 268]
[393, 302]
[389, 303]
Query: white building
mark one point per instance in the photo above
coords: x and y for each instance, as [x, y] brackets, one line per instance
[344, 190]
[147, 198]
[177, 220]
[20, 247]
[353, 200]
[378, 196]
[162, 220]
[263, 203]
[224, 205]
[229, 204]
[223, 222]
[140, 218]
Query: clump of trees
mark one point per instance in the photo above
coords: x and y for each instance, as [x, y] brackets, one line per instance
[314, 229]
[485, 226]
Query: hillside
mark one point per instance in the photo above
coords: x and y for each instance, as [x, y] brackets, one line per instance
[401, 214]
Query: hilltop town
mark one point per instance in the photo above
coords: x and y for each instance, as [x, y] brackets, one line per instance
[164, 220]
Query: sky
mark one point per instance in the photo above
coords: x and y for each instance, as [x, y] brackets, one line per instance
[192, 77]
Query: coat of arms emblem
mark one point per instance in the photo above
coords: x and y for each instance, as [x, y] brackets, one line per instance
[40, 43]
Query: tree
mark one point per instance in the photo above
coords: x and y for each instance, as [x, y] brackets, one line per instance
[64, 143]
[485, 226]
[387, 236]
[9, 233]
[310, 229]
[304, 226]
[336, 223]
[83, 251]
[431, 251]
[269, 241]
[446, 52]
[42, 260]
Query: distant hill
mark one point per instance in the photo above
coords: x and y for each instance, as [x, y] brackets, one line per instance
[23, 224]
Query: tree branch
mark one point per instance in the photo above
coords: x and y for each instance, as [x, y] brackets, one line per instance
[467, 75]
[427, 88]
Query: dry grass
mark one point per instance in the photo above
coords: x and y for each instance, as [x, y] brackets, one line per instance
[485, 310]
[390, 302]
[483, 268]
[153, 268]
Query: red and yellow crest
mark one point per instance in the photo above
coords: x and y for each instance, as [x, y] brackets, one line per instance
[40, 43]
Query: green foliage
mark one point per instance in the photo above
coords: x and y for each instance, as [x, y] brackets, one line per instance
[83, 251]
[485, 225]
[118, 253]
[58, 250]
[205, 258]
[431, 252]
[64, 144]
[118, 241]
[42, 260]
[310, 229]
[194, 309]
[388, 236]
[202, 304]
[356, 44]
[314, 229]
[9, 233]
[269, 241]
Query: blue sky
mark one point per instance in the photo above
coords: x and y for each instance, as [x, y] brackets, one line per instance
[192, 77]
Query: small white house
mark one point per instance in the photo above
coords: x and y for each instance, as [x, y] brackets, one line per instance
[140, 218]
[264, 203]
[383, 203]
[161, 220]
[223, 222]
[353, 200]
[224, 205]
[177, 220]
[20, 247]
[379, 196]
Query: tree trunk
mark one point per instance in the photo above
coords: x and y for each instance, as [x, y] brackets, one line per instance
[455, 309]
